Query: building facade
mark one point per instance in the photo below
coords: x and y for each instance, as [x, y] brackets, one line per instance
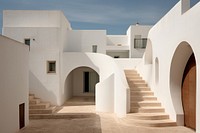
[13, 85]
[61, 57]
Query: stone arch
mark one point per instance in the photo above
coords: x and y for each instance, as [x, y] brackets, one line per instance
[75, 83]
[148, 53]
[178, 64]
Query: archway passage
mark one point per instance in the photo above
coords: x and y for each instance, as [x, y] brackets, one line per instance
[189, 93]
[80, 86]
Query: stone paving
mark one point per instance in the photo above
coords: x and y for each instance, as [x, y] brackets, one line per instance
[96, 123]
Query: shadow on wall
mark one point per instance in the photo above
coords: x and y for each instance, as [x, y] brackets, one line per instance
[37, 88]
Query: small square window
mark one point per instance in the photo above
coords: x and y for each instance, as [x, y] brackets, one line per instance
[27, 41]
[51, 66]
[94, 48]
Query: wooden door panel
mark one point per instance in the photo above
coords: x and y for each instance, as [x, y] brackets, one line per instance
[189, 93]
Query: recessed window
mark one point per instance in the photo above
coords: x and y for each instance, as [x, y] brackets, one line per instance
[27, 41]
[94, 48]
[116, 56]
[51, 66]
[140, 43]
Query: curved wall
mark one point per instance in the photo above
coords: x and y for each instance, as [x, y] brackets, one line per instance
[173, 29]
[105, 66]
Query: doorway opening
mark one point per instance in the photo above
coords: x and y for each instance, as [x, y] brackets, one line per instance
[21, 115]
[80, 85]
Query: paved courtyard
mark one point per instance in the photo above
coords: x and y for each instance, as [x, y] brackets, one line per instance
[94, 122]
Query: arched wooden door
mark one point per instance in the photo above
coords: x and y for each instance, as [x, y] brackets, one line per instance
[189, 93]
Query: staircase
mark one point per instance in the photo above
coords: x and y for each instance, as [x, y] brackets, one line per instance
[145, 109]
[39, 109]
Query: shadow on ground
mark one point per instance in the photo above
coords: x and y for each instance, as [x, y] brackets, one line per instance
[83, 125]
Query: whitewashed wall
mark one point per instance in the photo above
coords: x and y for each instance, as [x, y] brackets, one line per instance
[173, 39]
[33, 18]
[82, 41]
[105, 67]
[133, 30]
[117, 39]
[130, 63]
[47, 40]
[13, 83]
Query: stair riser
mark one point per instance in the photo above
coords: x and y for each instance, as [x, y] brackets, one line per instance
[136, 82]
[140, 110]
[34, 101]
[134, 85]
[167, 124]
[145, 104]
[159, 117]
[133, 76]
[142, 93]
[140, 89]
[130, 71]
[137, 99]
[31, 97]
[40, 111]
[39, 106]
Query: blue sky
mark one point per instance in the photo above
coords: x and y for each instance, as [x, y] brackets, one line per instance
[115, 16]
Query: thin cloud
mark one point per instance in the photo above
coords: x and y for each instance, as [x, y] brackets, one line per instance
[112, 14]
[105, 14]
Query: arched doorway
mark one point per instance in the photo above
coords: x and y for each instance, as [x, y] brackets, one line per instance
[80, 84]
[189, 93]
[182, 61]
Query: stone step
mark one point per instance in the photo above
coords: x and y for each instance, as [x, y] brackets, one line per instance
[132, 75]
[140, 88]
[39, 106]
[133, 78]
[68, 103]
[130, 71]
[30, 94]
[63, 116]
[147, 110]
[141, 93]
[49, 110]
[146, 104]
[135, 84]
[147, 116]
[34, 101]
[143, 98]
[136, 81]
[31, 97]
[150, 123]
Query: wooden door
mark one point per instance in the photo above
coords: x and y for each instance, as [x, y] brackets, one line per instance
[189, 93]
[21, 115]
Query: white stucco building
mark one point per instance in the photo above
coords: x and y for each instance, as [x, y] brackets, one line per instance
[53, 43]
[62, 59]
[13, 85]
